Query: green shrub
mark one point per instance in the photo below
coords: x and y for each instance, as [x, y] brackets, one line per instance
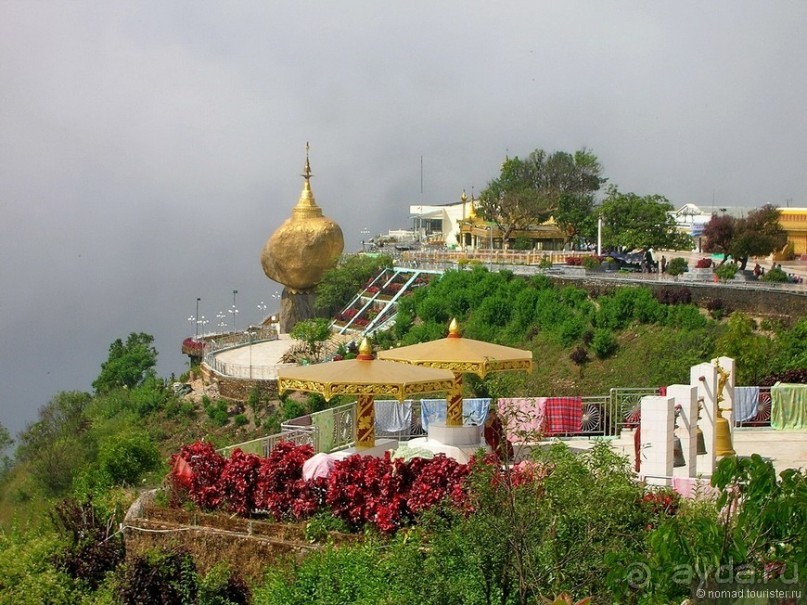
[686, 317]
[604, 343]
[775, 275]
[221, 586]
[727, 271]
[28, 575]
[545, 262]
[592, 263]
[124, 459]
[240, 420]
[677, 266]
[217, 412]
[159, 577]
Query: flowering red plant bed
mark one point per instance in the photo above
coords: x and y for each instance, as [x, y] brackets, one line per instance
[361, 490]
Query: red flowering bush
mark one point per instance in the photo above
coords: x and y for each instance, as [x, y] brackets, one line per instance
[365, 489]
[238, 482]
[660, 503]
[201, 477]
[191, 346]
[574, 261]
[703, 263]
[280, 488]
[372, 289]
[437, 480]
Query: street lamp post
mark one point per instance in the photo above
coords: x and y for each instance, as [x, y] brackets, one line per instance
[198, 300]
[221, 316]
[364, 233]
[201, 322]
[234, 310]
[251, 335]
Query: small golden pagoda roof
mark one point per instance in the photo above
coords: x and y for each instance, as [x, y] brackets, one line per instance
[306, 206]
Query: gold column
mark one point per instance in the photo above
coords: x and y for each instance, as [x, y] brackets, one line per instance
[454, 412]
[365, 422]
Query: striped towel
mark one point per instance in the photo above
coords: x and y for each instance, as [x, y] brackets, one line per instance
[392, 416]
[745, 403]
[563, 415]
[523, 417]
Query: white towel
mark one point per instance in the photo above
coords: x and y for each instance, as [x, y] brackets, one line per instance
[393, 416]
[745, 403]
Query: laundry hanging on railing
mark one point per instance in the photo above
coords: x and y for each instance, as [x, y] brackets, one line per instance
[393, 416]
[523, 417]
[789, 406]
[745, 403]
[564, 415]
[324, 421]
[474, 411]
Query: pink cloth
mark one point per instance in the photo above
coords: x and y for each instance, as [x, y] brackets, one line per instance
[318, 465]
[690, 487]
[523, 417]
[564, 415]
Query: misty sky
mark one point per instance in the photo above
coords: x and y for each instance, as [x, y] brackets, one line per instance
[148, 149]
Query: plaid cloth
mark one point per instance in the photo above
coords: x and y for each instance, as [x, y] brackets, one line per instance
[563, 415]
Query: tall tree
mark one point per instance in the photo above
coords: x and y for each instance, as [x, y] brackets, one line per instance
[532, 190]
[56, 445]
[758, 234]
[128, 364]
[633, 222]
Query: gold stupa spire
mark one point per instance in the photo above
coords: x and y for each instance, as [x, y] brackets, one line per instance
[306, 206]
[454, 329]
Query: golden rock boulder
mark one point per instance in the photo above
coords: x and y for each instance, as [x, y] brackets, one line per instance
[305, 246]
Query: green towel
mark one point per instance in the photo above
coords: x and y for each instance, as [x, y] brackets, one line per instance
[324, 422]
[789, 406]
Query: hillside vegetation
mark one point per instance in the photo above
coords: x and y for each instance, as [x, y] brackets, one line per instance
[98, 450]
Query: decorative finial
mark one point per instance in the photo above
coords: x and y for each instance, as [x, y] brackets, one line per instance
[454, 329]
[365, 350]
[307, 170]
[463, 197]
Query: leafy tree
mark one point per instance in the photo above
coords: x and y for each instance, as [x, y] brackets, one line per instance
[753, 352]
[531, 190]
[5, 443]
[313, 332]
[57, 444]
[633, 222]
[758, 234]
[341, 283]
[128, 364]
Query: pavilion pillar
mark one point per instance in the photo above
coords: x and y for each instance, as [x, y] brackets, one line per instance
[454, 411]
[365, 422]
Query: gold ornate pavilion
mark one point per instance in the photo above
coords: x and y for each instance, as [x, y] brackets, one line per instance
[461, 356]
[365, 377]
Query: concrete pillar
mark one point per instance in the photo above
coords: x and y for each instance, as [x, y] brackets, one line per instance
[657, 438]
[686, 396]
[704, 378]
